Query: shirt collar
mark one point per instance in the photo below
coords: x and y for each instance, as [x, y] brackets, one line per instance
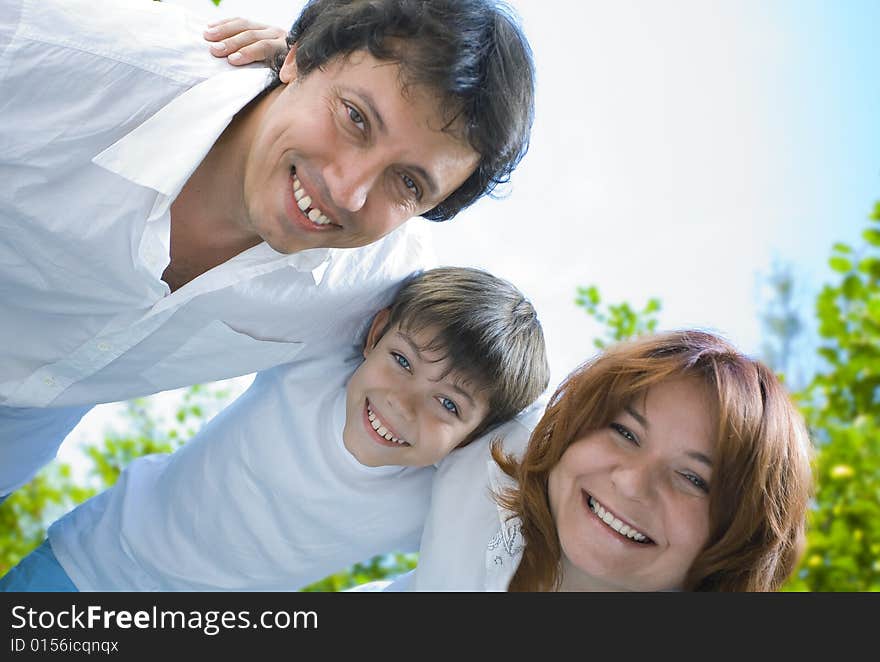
[505, 549]
[192, 122]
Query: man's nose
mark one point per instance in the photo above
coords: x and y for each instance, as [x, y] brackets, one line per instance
[351, 178]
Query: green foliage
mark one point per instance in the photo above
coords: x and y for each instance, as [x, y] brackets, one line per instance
[379, 567]
[842, 407]
[28, 511]
[619, 321]
[840, 403]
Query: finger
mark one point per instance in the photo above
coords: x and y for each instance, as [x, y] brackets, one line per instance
[221, 21]
[269, 40]
[258, 52]
[233, 26]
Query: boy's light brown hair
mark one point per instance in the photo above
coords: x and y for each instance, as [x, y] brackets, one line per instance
[486, 328]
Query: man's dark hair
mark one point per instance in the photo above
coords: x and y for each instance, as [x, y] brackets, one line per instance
[472, 53]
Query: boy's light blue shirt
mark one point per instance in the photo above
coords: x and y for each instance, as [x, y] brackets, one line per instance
[265, 497]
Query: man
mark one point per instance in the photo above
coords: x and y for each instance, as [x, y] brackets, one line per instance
[167, 219]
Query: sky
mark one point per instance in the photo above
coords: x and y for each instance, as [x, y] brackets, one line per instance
[678, 150]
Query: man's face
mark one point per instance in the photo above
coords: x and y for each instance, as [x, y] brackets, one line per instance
[341, 157]
[400, 407]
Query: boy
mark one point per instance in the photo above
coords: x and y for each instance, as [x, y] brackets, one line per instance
[309, 472]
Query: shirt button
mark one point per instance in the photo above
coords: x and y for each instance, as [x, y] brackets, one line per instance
[49, 381]
[103, 346]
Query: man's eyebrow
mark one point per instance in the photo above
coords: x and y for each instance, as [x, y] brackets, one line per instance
[367, 97]
[415, 348]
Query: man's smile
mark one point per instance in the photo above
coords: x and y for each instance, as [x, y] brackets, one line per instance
[304, 209]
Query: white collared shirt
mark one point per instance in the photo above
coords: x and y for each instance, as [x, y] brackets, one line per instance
[265, 497]
[106, 110]
[470, 542]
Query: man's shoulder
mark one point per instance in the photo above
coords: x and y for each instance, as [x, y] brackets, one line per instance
[155, 37]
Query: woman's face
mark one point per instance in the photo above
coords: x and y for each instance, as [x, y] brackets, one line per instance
[631, 501]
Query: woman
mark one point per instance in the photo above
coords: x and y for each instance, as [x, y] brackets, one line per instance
[671, 462]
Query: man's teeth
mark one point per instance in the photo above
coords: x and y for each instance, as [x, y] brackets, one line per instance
[303, 201]
[616, 524]
[381, 429]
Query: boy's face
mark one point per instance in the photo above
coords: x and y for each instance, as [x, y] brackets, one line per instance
[398, 409]
[343, 156]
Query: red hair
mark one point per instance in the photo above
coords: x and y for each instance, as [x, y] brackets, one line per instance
[761, 484]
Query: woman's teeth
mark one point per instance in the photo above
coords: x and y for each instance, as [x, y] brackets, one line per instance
[303, 201]
[609, 519]
[382, 430]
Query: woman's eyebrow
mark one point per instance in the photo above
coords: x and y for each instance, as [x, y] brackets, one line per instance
[636, 415]
[700, 457]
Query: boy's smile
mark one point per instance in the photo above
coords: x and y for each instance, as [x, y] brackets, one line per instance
[384, 432]
[403, 404]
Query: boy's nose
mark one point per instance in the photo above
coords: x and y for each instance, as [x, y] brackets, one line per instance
[403, 405]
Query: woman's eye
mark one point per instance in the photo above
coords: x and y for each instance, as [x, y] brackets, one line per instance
[625, 433]
[402, 361]
[449, 405]
[355, 116]
[698, 482]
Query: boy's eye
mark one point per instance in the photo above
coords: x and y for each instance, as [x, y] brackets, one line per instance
[402, 361]
[625, 433]
[355, 116]
[449, 405]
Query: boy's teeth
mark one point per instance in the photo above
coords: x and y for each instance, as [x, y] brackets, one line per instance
[615, 523]
[381, 430]
[304, 202]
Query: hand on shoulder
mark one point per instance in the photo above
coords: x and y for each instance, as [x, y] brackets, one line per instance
[242, 41]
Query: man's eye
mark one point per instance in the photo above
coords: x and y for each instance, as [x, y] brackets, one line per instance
[449, 405]
[402, 361]
[411, 186]
[355, 116]
[625, 433]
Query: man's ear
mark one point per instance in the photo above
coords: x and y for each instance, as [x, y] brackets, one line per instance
[377, 330]
[289, 72]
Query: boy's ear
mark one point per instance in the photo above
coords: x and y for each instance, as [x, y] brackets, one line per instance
[289, 72]
[377, 330]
